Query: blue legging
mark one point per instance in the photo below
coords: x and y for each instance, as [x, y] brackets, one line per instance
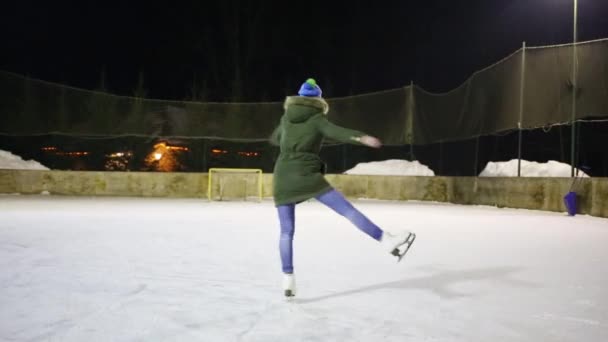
[335, 201]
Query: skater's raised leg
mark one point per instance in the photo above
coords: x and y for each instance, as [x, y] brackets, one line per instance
[336, 201]
[390, 241]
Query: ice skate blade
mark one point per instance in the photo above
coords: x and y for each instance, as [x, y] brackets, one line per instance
[400, 251]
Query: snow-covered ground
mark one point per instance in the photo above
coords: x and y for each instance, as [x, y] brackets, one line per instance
[551, 168]
[143, 269]
[391, 167]
[14, 162]
[397, 167]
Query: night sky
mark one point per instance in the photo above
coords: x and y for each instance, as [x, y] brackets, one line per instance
[263, 50]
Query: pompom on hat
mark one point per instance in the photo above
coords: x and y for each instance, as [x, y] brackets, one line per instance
[310, 88]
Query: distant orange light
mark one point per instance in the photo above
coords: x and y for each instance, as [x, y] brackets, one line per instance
[249, 154]
[120, 154]
[72, 154]
[178, 148]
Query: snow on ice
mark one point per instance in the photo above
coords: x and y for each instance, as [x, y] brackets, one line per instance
[391, 167]
[528, 169]
[14, 162]
[397, 167]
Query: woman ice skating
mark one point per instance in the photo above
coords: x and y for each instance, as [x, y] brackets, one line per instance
[298, 174]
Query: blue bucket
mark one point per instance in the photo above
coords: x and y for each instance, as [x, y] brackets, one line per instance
[570, 201]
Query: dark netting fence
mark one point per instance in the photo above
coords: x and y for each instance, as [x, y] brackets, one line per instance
[521, 107]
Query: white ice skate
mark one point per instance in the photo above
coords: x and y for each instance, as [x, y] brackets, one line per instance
[289, 285]
[397, 243]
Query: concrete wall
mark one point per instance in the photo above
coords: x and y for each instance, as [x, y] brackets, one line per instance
[92, 183]
[528, 193]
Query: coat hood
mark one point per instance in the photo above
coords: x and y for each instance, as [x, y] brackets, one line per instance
[301, 108]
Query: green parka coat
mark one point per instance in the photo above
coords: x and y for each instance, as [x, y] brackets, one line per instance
[298, 171]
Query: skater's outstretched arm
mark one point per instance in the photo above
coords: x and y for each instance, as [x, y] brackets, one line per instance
[345, 135]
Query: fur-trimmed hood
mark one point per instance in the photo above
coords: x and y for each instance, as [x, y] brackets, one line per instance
[314, 104]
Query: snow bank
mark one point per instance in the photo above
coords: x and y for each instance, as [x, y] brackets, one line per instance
[391, 167]
[528, 169]
[13, 162]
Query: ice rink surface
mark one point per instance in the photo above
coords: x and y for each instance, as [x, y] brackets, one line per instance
[142, 269]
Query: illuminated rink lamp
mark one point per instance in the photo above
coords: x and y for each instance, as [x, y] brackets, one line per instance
[165, 157]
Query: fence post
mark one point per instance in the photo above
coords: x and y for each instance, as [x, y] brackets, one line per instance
[475, 170]
[522, 85]
[440, 157]
[204, 156]
[410, 130]
[574, 85]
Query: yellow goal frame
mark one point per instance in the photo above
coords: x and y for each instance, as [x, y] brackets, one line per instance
[236, 170]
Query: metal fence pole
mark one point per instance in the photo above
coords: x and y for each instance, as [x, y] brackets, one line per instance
[522, 85]
[475, 171]
[204, 156]
[440, 158]
[411, 121]
[574, 85]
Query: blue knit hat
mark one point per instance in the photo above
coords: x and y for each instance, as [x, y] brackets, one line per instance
[310, 88]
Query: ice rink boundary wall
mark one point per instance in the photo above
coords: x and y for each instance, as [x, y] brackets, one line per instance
[525, 193]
